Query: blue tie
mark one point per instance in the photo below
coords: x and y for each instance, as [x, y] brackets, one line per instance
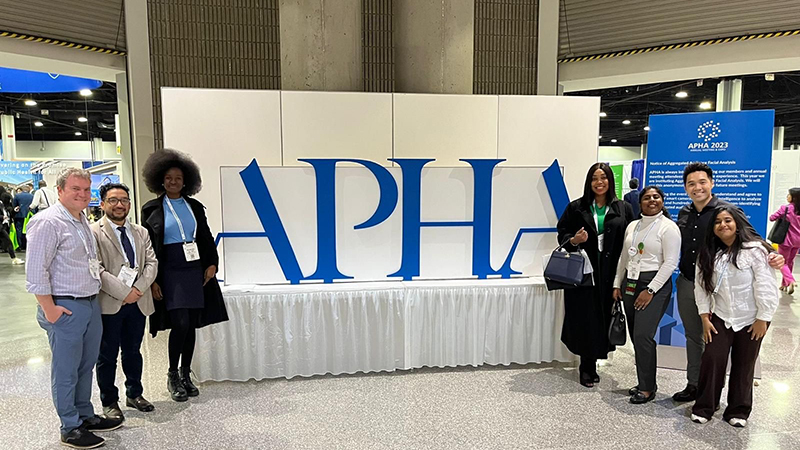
[126, 245]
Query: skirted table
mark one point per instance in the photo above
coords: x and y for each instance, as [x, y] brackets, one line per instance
[305, 330]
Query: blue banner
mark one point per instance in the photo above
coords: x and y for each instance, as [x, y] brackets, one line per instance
[13, 173]
[97, 181]
[737, 145]
[29, 82]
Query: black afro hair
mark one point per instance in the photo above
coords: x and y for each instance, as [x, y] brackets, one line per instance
[161, 161]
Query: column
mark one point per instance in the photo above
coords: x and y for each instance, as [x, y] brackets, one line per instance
[729, 95]
[139, 95]
[435, 46]
[547, 48]
[321, 45]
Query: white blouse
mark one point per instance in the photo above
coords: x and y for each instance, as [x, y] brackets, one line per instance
[745, 293]
[661, 240]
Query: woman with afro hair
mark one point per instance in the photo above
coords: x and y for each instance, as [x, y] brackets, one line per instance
[186, 289]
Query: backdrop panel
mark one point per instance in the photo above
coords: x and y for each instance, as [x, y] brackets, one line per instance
[445, 127]
[336, 125]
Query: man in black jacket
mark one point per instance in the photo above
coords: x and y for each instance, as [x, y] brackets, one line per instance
[694, 220]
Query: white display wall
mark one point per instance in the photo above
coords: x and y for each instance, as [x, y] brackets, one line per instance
[228, 128]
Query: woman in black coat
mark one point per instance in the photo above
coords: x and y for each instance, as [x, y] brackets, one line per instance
[587, 310]
[186, 289]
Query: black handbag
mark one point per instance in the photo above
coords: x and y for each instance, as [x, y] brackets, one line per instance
[564, 270]
[777, 235]
[616, 332]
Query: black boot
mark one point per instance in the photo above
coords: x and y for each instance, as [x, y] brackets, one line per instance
[186, 381]
[175, 387]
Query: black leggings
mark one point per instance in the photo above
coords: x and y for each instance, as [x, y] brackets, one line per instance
[5, 242]
[182, 336]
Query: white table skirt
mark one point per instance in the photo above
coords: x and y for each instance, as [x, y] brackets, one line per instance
[305, 330]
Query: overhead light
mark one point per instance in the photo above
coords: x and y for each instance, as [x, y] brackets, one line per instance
[86, 92]
[626, 122]
[78, 133]
[769, 76]
[647, 128]
[603, 114]
[682, 94]
[38, 124]
[600, 137]
[613, 141]
[705, 105]
[30, 102]
[82, 119]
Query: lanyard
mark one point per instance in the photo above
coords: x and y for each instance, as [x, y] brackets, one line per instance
[722, 275]
[177, 219]
[596, 220]
[71, 220]
[649, 229]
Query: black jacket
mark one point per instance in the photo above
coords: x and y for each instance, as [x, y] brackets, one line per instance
[587, 311]
[153, 220]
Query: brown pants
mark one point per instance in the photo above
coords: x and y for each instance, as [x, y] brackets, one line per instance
[744, 352]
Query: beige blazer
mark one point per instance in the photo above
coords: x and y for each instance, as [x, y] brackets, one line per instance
[112, 259]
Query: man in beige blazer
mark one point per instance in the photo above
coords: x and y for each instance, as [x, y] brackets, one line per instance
[128, 267]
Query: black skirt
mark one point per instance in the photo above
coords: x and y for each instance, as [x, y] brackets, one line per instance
[182, 280]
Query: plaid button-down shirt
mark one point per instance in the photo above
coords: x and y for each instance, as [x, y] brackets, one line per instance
[57, 260]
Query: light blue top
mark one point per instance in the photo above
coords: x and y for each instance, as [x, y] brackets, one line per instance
[172, 233]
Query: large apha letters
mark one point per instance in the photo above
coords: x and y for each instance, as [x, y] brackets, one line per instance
[411, 170]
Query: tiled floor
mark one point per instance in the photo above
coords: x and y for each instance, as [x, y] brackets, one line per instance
[534, 406]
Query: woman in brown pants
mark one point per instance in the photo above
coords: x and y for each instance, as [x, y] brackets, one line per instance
[736, 296]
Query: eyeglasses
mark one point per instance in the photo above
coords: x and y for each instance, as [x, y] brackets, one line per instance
[115, 201]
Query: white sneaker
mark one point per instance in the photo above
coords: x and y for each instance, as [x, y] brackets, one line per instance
[17, 261]
[698, 419]
[738, 423]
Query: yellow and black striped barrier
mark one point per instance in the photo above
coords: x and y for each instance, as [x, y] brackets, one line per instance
[677, 46]
[27, 37]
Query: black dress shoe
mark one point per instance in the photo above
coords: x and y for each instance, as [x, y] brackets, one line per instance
[113, 410]
[638, 398]
[98, 423]
[140, 403]
[175, 387]
[633, 391]
[186, 380]
[688, 394]
[80, 438]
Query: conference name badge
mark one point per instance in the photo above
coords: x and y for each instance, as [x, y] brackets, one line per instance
[94, 268]
[190, 251]
[127, 276]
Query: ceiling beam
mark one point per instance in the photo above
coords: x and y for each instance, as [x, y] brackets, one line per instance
[712, 61]
[40, 57]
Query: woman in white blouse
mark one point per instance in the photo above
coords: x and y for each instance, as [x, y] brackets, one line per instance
[650, 254]
[736, 295]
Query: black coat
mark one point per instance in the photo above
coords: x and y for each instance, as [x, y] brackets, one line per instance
[153, 219]
[587, 311]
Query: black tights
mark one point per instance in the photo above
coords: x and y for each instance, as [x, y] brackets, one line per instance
[588, 365]
[181, 338]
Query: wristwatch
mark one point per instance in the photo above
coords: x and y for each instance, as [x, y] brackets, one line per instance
[651, 292]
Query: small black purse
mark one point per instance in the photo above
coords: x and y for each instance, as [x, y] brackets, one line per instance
[616, 332]
[564, 270]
